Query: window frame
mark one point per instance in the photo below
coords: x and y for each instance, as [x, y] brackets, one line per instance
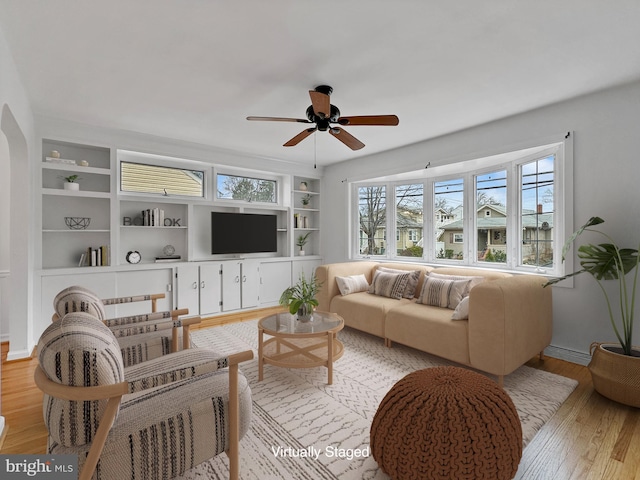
[560, 146]
[253, 175]
[162, 162]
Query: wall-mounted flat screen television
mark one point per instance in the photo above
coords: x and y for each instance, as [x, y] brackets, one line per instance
[243, 233]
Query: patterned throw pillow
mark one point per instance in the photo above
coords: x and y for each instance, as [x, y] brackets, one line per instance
[414, 277]
[474, 279]
[462, 310]
[390, 285]
[443, 293]
[352, 284]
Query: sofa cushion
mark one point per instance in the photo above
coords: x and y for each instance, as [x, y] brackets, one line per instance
[440, 292]
[390, 285]
[474, 279]
[429, 329]
[412, 283]
[352, 284]
[364, 311]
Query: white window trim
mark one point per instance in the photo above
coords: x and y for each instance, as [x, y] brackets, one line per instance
[560, 145]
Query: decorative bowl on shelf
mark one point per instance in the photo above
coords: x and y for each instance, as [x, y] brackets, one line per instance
[77, 223]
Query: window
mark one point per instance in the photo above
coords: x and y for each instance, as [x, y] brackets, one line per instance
[500, 211]
[409, 219]
[448, 199]
[372, 218]
[491, 217]
[159, 180]
[537, 213]
[246, 189]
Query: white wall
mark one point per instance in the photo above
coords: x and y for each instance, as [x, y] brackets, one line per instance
[16, 126]
[606, 183]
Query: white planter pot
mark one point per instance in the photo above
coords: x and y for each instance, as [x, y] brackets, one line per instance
[71, 186]
[301, 253]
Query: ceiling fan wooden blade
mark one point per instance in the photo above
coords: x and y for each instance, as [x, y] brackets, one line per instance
[390, 120]
[278, 119]
[301, 136]
[349, 140]
[321, 103]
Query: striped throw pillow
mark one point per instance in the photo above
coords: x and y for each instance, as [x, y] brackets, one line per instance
[352, 284]
[443, 293]
[390, 285]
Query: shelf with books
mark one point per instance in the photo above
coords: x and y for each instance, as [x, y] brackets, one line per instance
[305, 199]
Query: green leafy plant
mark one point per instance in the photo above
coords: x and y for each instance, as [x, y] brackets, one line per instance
[71, 178]
[302, 240]
[303, 292]
[306, 199]
[607, 261]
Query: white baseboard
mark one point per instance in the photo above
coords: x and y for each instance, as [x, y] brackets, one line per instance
[4, 338]
[569, 355]
[18, 355]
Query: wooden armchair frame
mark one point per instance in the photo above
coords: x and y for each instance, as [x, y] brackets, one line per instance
[114, 393]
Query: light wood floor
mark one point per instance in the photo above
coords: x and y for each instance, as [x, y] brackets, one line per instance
[590, 437]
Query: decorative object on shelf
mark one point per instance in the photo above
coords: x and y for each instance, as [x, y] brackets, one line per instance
[77, 223]
[54, 154]
[306, 200]
[83, 163]
[70, 182]
[169, 250]
[300, 298]
[303, 186]
[134, 257]
[301, 242]
[615, 368]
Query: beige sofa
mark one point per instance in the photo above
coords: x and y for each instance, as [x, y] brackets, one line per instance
[509, 316]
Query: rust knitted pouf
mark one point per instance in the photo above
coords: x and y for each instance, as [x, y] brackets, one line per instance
[447, 423]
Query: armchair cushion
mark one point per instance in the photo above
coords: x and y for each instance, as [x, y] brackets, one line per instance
[78, 350]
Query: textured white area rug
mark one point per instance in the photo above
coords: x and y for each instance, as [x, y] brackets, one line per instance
[303, 428]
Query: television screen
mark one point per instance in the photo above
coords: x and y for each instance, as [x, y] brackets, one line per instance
[243, 233]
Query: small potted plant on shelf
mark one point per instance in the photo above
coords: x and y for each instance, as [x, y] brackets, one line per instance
[300, 298]
[306, 200]
[70, 182]
[301, 242]
[615, 368]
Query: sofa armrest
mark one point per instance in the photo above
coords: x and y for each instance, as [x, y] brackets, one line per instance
[326, 275]
[510, 321]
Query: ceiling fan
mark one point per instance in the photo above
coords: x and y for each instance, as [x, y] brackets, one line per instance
[327, 117]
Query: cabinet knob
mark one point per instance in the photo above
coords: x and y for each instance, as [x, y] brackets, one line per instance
[202, 284]
[195, 285]
[244, 278]
[237, 279]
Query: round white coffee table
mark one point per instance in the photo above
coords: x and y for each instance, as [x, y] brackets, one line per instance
[296, 344]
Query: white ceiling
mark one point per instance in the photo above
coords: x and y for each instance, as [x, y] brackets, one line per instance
[194, 69]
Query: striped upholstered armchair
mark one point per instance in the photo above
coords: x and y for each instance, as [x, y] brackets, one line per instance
[156, 419]
[141, 337]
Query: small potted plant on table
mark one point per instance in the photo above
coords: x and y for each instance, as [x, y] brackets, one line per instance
[300, 298]
[615, 368]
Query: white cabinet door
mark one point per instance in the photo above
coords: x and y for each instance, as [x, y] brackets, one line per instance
[143, 282]
[250, 283]
[188, 288]
[275, 277]
[102, 284]
[308, 267]
[210, 293]
[231, 284]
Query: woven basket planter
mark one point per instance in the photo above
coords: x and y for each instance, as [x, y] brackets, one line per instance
[616, 376]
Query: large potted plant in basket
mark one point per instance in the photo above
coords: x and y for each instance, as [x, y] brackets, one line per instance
[300, 298]
[615, 368]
